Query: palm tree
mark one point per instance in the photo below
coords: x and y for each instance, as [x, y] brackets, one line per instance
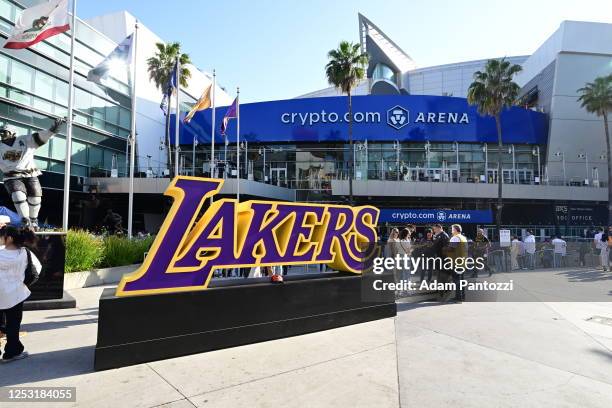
[493, 91]
[160, 67]
[346, 67]
[596, 97]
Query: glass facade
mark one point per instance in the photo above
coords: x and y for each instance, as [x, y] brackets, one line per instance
[382, 71]
[310, 168]
[34, 90]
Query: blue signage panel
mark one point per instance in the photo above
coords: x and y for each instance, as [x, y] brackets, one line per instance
[420, 216]
[375, 118]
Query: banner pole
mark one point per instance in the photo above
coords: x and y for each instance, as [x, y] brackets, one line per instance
[68, 159]
[177, 117]
[212, 130]
[238, 143]
[133, 134]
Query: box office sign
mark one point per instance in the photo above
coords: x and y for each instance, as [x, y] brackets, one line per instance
[230, 234]
[578, 215]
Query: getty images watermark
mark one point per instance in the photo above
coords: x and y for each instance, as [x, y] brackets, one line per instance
[404, 266]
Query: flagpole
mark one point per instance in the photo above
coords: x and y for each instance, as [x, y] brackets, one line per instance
[212, 130]
[133, 134]
[177, 118]
[193, 156]
[68, 159]
[238, 143]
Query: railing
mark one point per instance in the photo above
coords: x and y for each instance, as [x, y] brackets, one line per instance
[319, 175]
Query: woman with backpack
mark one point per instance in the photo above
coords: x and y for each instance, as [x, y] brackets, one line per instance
[18, 268]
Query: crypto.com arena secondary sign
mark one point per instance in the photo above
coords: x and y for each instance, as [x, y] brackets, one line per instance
[230, 234]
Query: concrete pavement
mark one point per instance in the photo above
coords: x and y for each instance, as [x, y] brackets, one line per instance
[430, 355]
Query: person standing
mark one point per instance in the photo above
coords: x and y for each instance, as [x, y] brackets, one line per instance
[404, 249]
[605, 244]
[14, 260]
[425, 248]
[559, 251]
[599, 247]
[515, 249]
[530, 249]
[439, 244]
[392, 249]
[458, 245]
[481, 250]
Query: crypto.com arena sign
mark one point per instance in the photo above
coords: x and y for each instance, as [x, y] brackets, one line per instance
[230, 234]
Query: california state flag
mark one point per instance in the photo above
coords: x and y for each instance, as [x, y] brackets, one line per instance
[38, 23]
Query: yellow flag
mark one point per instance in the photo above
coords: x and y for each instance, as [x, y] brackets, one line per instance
[203, 103]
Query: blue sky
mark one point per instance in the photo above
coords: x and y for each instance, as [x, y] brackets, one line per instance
[275, 49]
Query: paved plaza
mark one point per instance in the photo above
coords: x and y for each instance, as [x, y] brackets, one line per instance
[475, 354]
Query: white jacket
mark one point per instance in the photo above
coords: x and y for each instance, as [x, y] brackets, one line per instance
[13, 264]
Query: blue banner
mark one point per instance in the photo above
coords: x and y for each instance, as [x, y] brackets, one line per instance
[420, 216]
[405, 118]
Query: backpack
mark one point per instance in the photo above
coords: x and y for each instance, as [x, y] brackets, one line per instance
[31, 274]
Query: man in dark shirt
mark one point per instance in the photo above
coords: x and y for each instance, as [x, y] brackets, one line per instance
[438, 248]
[481, 248]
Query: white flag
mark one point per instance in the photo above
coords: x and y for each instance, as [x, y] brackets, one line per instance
[38, 23]
[120, 57]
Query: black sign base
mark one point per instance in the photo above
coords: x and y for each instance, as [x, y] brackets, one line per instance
[66, 302]
[139, 329]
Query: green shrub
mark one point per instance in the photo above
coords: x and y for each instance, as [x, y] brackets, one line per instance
[119, 251]
[84, 251]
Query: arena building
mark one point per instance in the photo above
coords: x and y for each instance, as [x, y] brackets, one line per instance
[422, 153]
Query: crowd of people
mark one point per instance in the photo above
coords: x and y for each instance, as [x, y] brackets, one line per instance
[437, 244]
[19, 268]
[553, 253]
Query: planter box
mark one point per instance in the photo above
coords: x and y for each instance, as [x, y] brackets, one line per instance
[97, 277]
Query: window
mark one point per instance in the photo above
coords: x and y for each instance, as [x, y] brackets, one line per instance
[43, 86]
[98, 111]
[61, 92]
[43, 105]
[57, 167]
[77, 170]
[58, 148]
[21, 76]
[79, 152]
[41, 164]
[4, 68]
[125, 118]
[381, 71]
[112, 114]
[96, 157]
[7, 10]
[43, 150]
[82, 100]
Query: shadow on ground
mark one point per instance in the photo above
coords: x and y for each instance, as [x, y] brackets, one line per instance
[48, 366]
[37, 327]
[586, 275]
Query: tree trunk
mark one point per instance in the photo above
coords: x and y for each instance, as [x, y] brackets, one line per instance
[605, 118]
[168, 150]
[500, 176]
[352, 150]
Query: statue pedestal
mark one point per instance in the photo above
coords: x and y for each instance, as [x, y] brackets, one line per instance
[51, 252]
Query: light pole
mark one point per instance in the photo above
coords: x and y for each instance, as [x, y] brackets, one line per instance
[485, 150]
[562, 155]
[427, 151]
[511, 151]
[585, 156]
[397, 146]
[262, 152]
[161, 147]
[149, 168]
[536, 152]
[456, 145]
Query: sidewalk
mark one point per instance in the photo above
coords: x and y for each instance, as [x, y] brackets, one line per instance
[430, 355]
